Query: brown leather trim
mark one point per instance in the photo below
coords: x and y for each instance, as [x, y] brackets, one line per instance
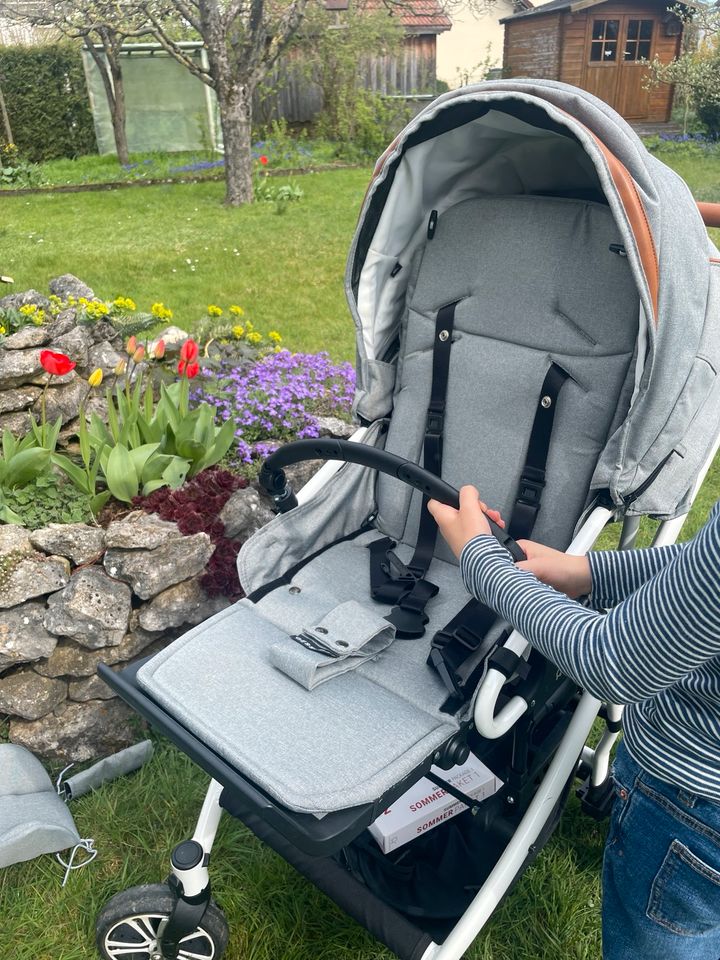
[713, 260]
[630, 199]
[710, 212]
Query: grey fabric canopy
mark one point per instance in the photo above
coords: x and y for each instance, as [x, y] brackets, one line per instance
[518, 137]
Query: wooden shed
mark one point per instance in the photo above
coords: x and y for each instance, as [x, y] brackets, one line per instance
[598, 46]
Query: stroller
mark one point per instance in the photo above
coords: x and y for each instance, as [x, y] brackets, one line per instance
[537, 308]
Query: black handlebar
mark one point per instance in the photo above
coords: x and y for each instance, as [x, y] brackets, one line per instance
[272, 476]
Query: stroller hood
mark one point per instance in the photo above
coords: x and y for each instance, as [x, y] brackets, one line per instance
[514, 137]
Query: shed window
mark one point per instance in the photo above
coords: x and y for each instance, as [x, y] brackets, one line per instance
[603, 47]
[639, 35]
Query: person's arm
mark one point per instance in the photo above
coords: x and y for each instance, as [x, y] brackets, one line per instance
[615, 574]
[666, 629]
[608, 576]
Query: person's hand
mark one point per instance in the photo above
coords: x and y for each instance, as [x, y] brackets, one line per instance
[460, 526]
[570, 575]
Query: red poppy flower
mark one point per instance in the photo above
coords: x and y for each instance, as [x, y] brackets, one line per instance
[57, 364]
[263, 160]
[189, 351]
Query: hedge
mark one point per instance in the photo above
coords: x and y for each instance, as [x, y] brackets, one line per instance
[47, 101]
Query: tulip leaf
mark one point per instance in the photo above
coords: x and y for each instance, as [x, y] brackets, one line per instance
[120, 474]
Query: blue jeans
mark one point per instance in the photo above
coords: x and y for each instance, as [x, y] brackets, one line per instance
[661, 870]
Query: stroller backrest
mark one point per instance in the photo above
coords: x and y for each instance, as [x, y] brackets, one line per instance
[537, 280]
[535, 139]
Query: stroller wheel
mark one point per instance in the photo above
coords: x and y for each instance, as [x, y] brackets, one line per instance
[127, 927]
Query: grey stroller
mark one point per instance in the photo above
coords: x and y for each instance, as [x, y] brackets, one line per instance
[537, 308]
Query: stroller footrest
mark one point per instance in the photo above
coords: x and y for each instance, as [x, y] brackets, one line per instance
[396, 931]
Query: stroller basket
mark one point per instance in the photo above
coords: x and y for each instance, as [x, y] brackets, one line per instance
[516, 294]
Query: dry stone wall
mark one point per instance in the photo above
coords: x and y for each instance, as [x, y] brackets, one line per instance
[75, 596]
[90, 345]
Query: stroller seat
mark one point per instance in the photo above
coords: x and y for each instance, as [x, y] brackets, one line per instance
[517, 269]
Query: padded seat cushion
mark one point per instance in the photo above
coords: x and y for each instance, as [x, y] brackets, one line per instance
[344, 743]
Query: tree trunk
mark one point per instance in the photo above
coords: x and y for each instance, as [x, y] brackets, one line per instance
[235, 106]
[119, 117]
[112, 78]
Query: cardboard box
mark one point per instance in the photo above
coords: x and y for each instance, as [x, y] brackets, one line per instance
[425, 805]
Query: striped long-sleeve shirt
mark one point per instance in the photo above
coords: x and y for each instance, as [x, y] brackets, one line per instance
[657, 650]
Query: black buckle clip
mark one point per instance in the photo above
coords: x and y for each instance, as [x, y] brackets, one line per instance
[394, 568]
[532, 484]
[463, 635]
[435, 423]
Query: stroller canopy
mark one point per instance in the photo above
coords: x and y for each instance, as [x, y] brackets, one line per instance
[543, 138]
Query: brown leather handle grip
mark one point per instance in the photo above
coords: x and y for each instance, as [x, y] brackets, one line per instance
[710, 212]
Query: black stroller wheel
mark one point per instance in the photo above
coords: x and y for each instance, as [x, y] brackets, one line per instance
[127, 927]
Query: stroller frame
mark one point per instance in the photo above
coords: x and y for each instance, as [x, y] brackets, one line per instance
[190, 878]
[307, 842]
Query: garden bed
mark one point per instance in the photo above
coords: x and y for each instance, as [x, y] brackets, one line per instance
[125, 510]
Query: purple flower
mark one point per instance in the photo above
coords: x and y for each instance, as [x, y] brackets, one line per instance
[278, 398]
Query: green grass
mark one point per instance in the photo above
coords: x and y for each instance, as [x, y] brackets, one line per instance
[273, 913]
[288, 274]
[285, 270]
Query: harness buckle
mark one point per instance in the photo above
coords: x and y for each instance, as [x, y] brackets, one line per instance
[532, 484]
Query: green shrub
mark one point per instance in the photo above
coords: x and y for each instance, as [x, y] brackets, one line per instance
[709, 116]
[47, 101]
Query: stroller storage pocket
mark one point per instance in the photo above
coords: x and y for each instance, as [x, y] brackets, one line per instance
[345, 638]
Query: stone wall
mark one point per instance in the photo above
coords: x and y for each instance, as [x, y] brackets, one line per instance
[22, 379]
[74, 595]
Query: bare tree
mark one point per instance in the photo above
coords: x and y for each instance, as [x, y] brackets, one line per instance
[103, 26]
[243, 39]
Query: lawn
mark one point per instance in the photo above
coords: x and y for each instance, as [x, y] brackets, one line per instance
[287, 273]
[178, 244]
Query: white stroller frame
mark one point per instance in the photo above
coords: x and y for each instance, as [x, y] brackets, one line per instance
[190, 877]
[492, 725]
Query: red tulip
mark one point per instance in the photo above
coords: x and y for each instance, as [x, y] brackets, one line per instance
[57, 364]
[189, 370]
[189, 351]
[263, 160]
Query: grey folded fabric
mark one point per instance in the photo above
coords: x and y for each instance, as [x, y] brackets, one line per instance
[33, 819]
[346, 637]
[119, 764]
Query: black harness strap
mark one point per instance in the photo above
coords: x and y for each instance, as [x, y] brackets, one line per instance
[459, 650]
[532, 479]
[392, 581]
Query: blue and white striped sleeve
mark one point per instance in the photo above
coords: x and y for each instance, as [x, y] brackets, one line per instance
[618, 573]
[668, 627]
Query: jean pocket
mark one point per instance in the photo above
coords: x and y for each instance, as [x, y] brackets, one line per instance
[685, 894]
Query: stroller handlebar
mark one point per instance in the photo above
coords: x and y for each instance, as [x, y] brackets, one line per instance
[273, 480]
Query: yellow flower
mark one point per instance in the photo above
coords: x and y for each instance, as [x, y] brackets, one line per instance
[120, 367]
[238, 332]
[54, 298]
[124, 303]
[160, 311]
[275, 336]
[28, 309]
[96, 377]
[38, 318]
[238, 311]
[2, 329]
[254, 337]
[249, 326]
[214, 310]
[83, 301]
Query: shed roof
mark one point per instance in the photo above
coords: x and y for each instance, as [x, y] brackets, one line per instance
[555, 6]
[417, 16]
